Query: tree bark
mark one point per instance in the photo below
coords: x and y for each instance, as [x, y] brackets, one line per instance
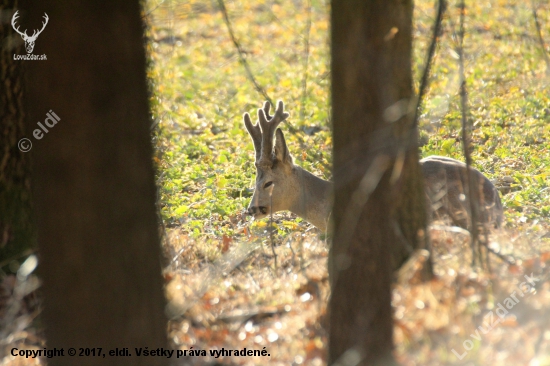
[94, 184]
[379, 213]
[16, 230]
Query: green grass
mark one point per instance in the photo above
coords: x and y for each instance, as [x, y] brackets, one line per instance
[508, 101]
[206, 172]
[205, 157]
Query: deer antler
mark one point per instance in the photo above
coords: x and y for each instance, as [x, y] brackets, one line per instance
[267, 107]
[262, 133]
[255, 132]
[25, 36]
[35, 34]
[268, 130]
[15, 16]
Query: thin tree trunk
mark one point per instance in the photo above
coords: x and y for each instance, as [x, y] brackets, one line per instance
[94, 185]
[379, 213]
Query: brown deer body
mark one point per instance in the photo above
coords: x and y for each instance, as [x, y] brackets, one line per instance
[282, 185]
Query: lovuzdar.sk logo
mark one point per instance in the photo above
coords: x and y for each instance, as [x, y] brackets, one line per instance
[29, 40]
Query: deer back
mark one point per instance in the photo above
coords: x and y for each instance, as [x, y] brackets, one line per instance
[446, 182]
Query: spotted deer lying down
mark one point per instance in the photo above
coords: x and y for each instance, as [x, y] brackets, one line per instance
[282, 185]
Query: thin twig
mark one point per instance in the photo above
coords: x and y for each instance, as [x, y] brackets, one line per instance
[306, 59]
[271, 224]
[242, 58]
[485, 242]
[541, 40]
[470, 186]
[289, 242]
[249, 74]
[442, 5]
[506, 258]
[424, 81]
[456, 229]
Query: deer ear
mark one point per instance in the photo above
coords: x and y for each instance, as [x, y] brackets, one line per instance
[281, 150]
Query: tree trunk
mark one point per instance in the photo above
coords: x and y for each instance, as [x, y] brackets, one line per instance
[94, 185]
[16, 232]
[379, 214]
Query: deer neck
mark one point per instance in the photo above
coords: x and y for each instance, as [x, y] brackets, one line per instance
[314, 201]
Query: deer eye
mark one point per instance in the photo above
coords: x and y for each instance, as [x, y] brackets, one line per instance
[268, 184]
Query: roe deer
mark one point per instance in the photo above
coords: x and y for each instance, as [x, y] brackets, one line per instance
[282, 185]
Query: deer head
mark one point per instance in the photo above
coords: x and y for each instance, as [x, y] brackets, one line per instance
[280, 184]
[276, 185]
[29, 41]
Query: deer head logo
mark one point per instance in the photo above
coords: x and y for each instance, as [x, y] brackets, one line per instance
[29, 41]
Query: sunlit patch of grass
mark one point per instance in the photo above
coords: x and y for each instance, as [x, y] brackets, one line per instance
[201, 91]
[508, 100]
[206, 174]
[205, 157]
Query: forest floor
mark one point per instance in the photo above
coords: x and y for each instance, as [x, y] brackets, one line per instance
[231, 285]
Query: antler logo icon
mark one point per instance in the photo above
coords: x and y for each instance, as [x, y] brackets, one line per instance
[29, 41]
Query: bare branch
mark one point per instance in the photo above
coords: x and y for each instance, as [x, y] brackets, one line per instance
[306, 59]
[471, 188]
[242, 59]
[540, 39]
[442, 6]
